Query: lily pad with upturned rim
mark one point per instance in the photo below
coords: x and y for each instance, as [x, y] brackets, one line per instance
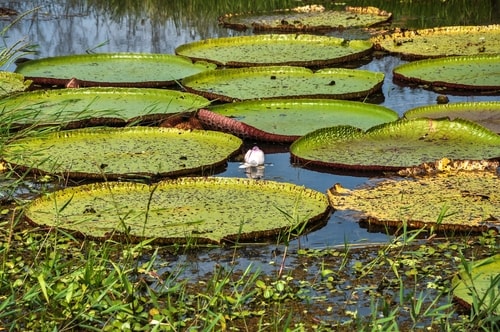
[312, 18]
[465, 201]
[470, 73]
[485, 113]
[285, 120]
[113, 153]
[441, 41]
[112, 69]
[479, 282]
[284, 82]
[277, 49]
[103, 105]
[395, 145]
[207, 210]
[12, 82]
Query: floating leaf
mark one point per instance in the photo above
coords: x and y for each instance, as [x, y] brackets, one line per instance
[207, 210]
[284, 81]
[285, 120]
[12, 82]
[312, 18]
[485, 113]
[112, 69]
[441, 41]
[464, 201]
[475, 73]
[100, 105]
[395, 145]
[114, 153]
[479, 282]
[278, 49]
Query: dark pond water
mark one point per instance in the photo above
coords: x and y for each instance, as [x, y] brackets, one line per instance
[78, 26]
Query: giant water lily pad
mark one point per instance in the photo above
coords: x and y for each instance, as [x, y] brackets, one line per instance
[442, 41]
[100, 105]
[207, 210]
[284, 81]
[285, 120]
[112, 69]
[12, 82]
[486, 113]
[475, 73]
[395, 145]
[114, 153]
[278, 49]
[476, 286]
[312, 18]
[462, 201]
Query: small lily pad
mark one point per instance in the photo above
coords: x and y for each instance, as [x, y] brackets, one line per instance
[284, 82]
[206, 210]
[310, 18]
[395, 145]
[470, 73]
[285, 120]
[459, 201]
[12, 82]
[277, 49]
[114, 153]
[485, 113]
[441, 41]
[101, 106]
[479, 283]
[112, 69]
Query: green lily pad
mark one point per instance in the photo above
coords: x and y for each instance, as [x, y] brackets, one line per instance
[207, 210]
[132, 152]
[285, 120]
[100, 105]
[469, 203]
[12, 82]
[485, 113]
[441, 41]
[284, 82]
[312, 18]
[395, 145]
[479, 282]
[475, 72]
[278, 49]
[112, 69]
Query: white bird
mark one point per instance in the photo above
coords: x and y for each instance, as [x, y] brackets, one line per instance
[253, 158]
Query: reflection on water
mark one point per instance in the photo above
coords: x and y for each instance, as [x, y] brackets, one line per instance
[159, 26]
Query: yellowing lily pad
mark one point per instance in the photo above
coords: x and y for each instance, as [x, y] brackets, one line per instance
[99, 106]
[277, 49]
[395, 145]
[285, 120]
[476, 286]
[312, 18]
[204, 210]
[485, 113]
[11, 83]
[113, 153]
[112, 69]
[461, 201]
[440, 42]
[284, 82]
[470, 73]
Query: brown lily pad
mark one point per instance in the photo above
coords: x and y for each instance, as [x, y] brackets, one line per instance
[440, 42]
[469, 203]
[311, 18]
